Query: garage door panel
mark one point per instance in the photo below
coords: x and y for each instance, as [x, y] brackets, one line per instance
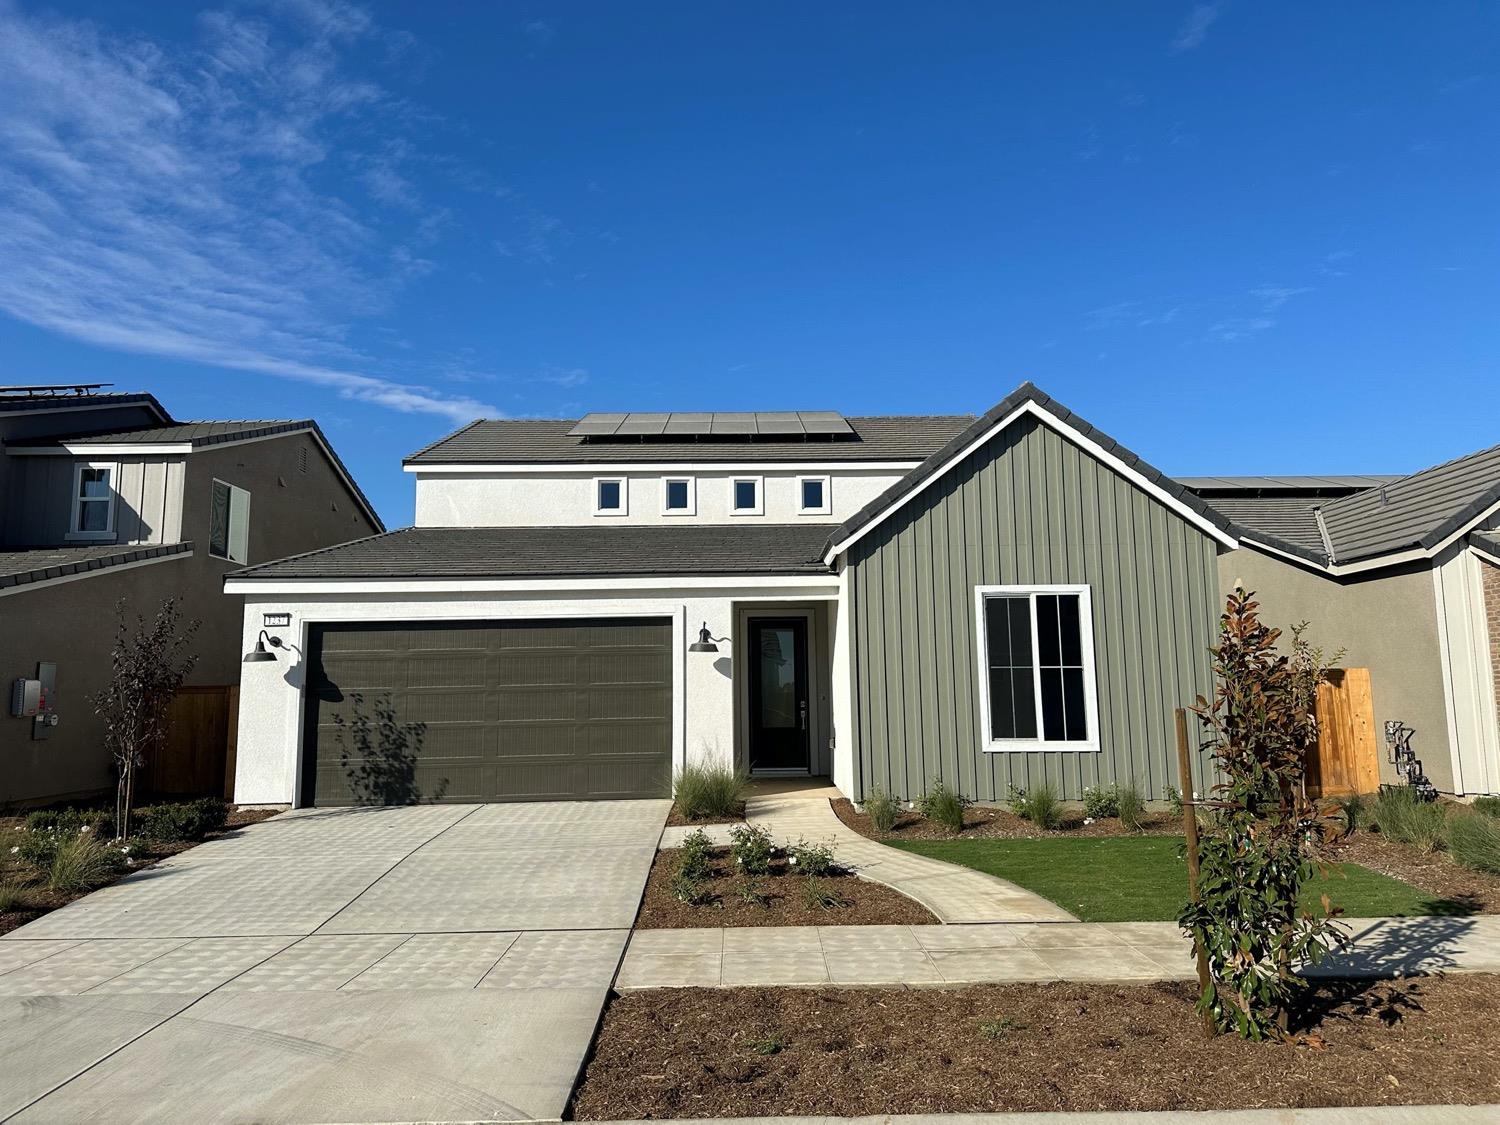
[495, 711]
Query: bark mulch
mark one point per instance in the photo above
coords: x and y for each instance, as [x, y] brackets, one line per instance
[697, 1052]
[1459, 890]
[863, 903]
[676, 819]
[147, 853]
[987, 822]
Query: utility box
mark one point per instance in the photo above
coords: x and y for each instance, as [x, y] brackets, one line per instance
[25, 698]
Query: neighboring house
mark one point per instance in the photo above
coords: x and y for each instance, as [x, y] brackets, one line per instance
[1403, 575]
[105, 497]
[582, 606]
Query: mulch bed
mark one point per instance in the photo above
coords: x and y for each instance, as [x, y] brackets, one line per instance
[1460, 890]
[676, 819]
[696, 1052]
[147, 853]
[988, 822]
[865, 903]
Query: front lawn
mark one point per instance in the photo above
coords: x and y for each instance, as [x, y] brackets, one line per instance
[1141, 878]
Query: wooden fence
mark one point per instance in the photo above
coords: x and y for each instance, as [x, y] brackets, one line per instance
[1347, 759]
[198, 759]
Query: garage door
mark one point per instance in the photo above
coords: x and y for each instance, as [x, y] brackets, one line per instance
[488, 711]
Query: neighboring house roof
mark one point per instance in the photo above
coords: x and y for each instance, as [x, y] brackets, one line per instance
[1291, 520]
[1028, 399]
[883, 438]
[195, 434]
[45, 564]
[561, 552]
[1334, 484]
[30, 402]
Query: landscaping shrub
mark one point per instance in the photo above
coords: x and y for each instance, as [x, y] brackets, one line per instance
[1174, 802]
[181, 822]
[1353, 808]
[81, 862]
[13, 896]
[814, 860]
[752, 849]
[1474, 840]
[1132, 806]
[697, 860]
[821, 895]
[1038, 805]
[943, 806]
[996, 1028]
[1490, 806]
[772, 1044]
[38, 848]
[752, 892]
[703, 790]
[70, 821]
[1403, 816]
[881, 808]
[1101, 802]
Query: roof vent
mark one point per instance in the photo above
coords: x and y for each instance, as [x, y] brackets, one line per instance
[787, 425]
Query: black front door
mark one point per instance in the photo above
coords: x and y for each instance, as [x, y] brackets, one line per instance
[779, 738]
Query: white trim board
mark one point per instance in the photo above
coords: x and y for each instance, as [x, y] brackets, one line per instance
[586, 468]
[812, 585]
[1094, 449]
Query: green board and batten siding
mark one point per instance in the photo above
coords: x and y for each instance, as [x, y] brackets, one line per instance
[1029, 507]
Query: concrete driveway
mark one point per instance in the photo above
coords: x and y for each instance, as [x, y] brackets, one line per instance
[434, 963]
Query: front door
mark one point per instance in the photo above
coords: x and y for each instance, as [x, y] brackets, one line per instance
[779, 724]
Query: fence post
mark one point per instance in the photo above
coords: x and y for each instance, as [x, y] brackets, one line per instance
[1190, 828]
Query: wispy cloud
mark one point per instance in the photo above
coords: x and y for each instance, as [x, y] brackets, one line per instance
[1272, 297]
[1235, 329]
[198, 204]
[1194, 29]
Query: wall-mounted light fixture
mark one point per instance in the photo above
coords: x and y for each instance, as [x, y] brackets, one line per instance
[705, 641]
[260, 653]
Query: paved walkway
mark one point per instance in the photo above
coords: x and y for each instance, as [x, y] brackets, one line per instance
[954, 894]
[1114, 952]
[440, 962]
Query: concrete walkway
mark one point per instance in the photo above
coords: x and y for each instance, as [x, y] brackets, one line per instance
[954, 894]
[1112, 952]
[433, 963]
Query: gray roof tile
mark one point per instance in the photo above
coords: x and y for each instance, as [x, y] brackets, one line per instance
[196, 434]
[1290, 519]
[41, 564]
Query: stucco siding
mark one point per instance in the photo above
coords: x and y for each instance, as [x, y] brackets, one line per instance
[1029, 508]
[1386, 622]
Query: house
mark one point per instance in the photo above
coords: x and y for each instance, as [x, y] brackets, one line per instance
[105, 497]
[584, 605]
[1402, 574]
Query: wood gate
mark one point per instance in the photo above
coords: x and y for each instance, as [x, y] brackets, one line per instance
[198, 758]
[1347, 756]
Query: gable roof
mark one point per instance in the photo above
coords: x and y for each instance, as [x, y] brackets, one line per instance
[193, 434]
[28, 566]
[1029, 399]
[549, 441]
[26, 403]
[561, 552]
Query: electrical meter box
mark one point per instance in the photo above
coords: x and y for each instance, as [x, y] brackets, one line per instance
[25, 698]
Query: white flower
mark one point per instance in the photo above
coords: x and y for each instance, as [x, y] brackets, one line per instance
[15, 849]
[85, 828]
[1088, 820]
[792, 861]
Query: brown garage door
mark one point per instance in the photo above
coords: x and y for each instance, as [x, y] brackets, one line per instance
[489, 711]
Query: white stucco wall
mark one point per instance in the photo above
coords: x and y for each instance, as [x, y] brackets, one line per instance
[567, 499]
[270, 735]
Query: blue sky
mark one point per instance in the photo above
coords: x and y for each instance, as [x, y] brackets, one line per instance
[1240, 237]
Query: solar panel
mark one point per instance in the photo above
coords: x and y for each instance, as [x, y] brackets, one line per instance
[690, 424]
[824, 422]
[779, 422]
[597, 425]
[643, 425]
[734, 424]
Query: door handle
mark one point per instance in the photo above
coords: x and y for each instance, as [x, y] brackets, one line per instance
[802, 708]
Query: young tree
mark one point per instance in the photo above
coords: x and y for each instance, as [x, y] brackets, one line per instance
[1254, 853]
[148, 663]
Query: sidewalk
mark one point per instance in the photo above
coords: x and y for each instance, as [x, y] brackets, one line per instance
[1109, 952]
[954, 894]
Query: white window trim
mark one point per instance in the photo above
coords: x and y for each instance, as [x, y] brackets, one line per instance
[760, 496]
[692, 496]
[624, 508]
[827, 508]
[1090, 672]
[228, 555]
[74, 531]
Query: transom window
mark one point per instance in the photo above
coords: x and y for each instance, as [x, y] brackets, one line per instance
[677, 496]
[813, 496]
[1036, 667]
[609, 496]
[93, 501]
[745, 496]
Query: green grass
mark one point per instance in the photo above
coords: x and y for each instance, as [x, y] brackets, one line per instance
[1141, 878]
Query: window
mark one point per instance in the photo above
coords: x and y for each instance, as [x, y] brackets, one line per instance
[609, 496]
[745, 496]
[93, 501]
[677, 497]
[229, 523]
[814, 496]
[1036, 668]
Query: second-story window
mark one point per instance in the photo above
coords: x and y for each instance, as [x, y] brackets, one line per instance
[813, 496]
[609, 496]
[677, 496]
[93, 502]
[229, 523]
[745, 496]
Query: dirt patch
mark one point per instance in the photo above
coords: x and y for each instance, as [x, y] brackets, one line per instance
[860, 902]
[989, 822]
[1465, 891]
[40, 900]
[676, 820]
[1030, 1047]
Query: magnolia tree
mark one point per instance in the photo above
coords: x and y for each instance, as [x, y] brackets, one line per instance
[1256, 837]
[148, 662]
